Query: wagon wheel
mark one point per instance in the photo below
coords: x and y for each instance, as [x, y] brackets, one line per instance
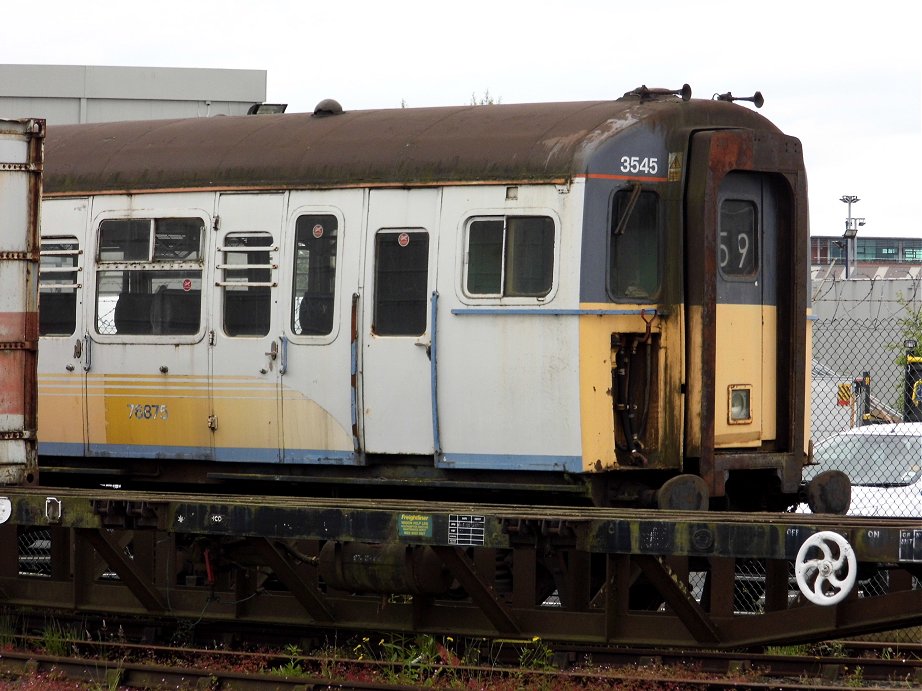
[826, 579]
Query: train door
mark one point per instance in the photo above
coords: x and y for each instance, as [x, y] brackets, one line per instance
[746, 334]
[319, 386]
[145, 353]
[62, 403]
[399, 279]
[248, 350]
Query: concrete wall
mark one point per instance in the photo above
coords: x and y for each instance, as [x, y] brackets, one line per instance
[68, 94]
[865, 298]
[857, 322]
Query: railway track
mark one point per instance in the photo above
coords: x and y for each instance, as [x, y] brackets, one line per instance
[126, 665]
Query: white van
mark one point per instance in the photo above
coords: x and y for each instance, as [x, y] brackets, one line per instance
[884, 464]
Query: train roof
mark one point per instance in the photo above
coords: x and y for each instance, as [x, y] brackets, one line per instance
[399, 147]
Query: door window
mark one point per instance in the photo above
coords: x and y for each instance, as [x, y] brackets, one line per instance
[58, 281]
[401, 283]
[738, 249]
[314, 275]
[247, 272]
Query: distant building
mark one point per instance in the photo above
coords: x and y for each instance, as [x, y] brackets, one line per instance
[874, 257]
[69, 94]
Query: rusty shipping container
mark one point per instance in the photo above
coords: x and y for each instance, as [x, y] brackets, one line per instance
[21, 152]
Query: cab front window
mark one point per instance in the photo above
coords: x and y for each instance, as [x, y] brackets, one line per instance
[635, 246]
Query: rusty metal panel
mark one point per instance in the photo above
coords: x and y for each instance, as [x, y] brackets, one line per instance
[21, 152]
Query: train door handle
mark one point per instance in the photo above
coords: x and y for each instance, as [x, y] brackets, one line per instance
[272, 354]
[87, 353]
[423, 342]
[283, 363]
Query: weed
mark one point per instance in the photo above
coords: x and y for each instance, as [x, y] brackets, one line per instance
[56, 639]
[788, 650]
[7, 631]
[410, 659]
[330, 657]
[293, 667]
[832, 649]
[536, 655]
[855, 679]
[114, 679]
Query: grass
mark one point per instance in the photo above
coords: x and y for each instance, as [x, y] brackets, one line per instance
[56, 639]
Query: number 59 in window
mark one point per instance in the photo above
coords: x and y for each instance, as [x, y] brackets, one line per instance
[738, 247]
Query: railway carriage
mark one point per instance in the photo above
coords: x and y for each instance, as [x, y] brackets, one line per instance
[588, 302]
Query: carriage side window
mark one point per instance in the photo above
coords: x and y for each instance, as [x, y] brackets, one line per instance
[738, 248]
[510, 257]
[149, 276]
[635, 251]
[401, 283]
[314, 286]
[247, 281]
[58, 281]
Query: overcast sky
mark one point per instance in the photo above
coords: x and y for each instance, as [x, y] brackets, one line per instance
[843, 76]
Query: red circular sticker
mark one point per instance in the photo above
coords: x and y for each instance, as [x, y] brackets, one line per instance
[403, 239]
[187, 285]
[318, 231]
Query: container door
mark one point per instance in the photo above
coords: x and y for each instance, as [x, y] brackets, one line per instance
[399, 280]
[61, 379]
[146, 352]
[248, 348]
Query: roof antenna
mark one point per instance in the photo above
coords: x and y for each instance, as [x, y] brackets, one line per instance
[756, 98]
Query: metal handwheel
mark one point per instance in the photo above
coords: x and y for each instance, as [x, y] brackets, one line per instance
[829, 578]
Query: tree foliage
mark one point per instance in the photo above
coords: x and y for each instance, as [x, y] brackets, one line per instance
[910, 330]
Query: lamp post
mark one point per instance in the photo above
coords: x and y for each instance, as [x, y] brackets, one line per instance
[851, 232]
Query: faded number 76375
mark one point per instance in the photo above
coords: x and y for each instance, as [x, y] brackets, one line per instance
[152, 411]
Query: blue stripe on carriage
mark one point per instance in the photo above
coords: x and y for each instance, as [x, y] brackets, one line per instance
[461, 461]
[489, 461]
[59, 448]
[169, 453]
[181, 453]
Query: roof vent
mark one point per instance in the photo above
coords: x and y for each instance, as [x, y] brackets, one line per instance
[647, 94]
[267, 108]
[327, 106]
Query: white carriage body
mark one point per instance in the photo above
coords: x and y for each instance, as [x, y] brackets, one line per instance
[466, 394]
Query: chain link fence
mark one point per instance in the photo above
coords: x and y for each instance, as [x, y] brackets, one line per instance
[34, 552]
[863, 421]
